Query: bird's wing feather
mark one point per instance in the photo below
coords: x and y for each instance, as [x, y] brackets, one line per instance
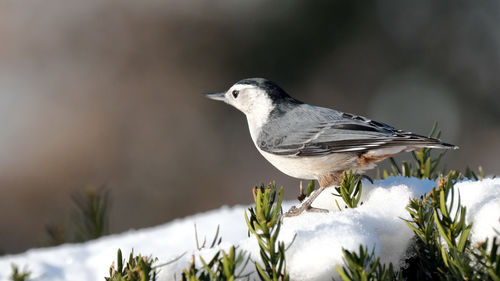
[314, 131]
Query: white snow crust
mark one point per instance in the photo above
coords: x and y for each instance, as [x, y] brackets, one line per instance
[319, 237]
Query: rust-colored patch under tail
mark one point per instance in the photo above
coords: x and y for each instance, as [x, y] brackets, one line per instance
[367, 159]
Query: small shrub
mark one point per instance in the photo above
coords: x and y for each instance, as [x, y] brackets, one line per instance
[19, 275]
[222, 267]
[364, 266]
[89, 220]
[91, 213]
[265, 222]
[349, 190]
[470, 174]
[442, 248]
[138, 268]
[488, 259]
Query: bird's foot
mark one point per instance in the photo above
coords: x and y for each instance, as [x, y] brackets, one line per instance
[294, 211]
[306, 206]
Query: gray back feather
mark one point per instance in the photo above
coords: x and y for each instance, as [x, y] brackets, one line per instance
[308, 130]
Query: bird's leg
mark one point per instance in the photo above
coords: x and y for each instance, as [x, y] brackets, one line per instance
[324, 181]
[306, 205]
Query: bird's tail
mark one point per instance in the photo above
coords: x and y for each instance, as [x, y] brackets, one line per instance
[443, 145]
[434, 143]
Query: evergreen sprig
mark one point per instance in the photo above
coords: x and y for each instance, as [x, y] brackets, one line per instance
[91, 213]
[264, 222]
[443, 250]
[222, 267]
[488, 257]
[138, 268]
[364, 266]
[349, 190]
[19, 275]
[470, 174]
[89, 218]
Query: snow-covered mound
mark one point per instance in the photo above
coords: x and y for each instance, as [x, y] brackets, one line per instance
[312, 256]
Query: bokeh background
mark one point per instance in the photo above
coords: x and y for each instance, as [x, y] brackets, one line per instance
[97, 93]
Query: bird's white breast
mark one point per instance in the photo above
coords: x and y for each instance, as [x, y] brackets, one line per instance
[311, 167]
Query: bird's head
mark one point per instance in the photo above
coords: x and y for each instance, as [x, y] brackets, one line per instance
[253, 96]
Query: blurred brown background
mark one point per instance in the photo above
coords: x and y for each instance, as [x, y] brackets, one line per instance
[108, 93]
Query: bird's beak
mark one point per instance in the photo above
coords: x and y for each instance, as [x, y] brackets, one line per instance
[216, 96]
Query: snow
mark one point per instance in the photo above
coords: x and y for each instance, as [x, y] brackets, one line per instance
[319, 237]
[482, 199]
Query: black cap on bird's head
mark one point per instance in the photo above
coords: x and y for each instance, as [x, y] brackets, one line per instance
[275, 92]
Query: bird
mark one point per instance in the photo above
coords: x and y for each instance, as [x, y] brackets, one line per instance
[311, 142]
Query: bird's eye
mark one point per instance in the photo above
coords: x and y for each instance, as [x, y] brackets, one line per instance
[236, 93]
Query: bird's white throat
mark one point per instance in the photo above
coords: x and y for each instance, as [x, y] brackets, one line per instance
[258, 115]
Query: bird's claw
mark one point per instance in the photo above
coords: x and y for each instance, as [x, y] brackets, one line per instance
[306, 207]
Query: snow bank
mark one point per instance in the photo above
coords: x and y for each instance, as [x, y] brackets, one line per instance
[312, 256]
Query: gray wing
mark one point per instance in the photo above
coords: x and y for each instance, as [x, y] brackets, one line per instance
[308, 130]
